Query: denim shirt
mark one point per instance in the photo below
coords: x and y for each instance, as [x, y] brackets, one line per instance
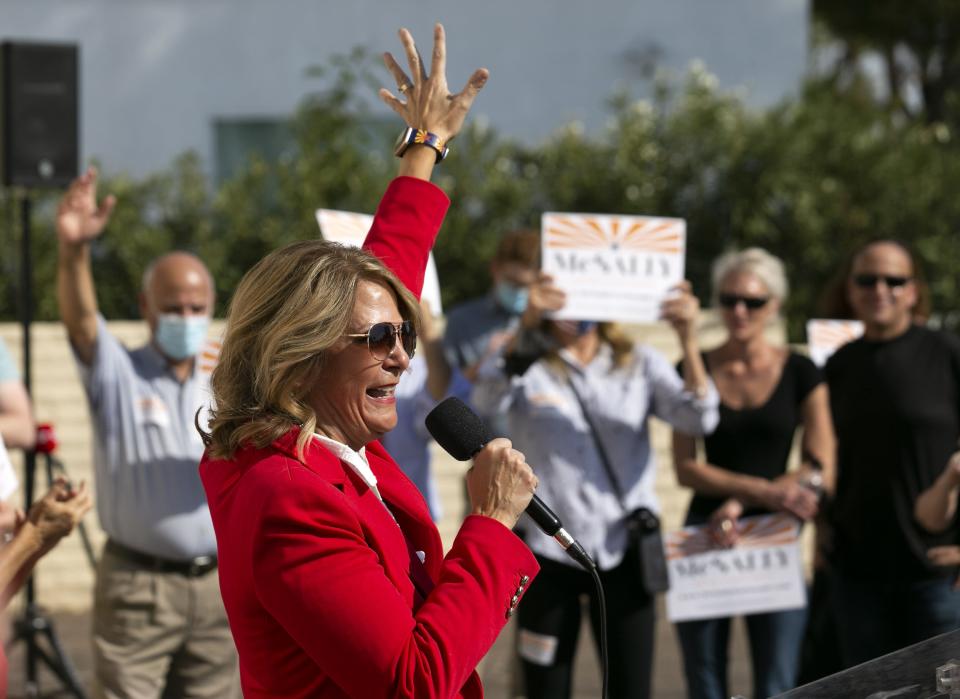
[546, 423]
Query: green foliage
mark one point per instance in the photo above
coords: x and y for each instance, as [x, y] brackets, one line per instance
[917, 43]
[809, 180]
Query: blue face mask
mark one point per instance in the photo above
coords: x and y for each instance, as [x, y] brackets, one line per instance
[512, 298]
[585, 326]
[179, 336]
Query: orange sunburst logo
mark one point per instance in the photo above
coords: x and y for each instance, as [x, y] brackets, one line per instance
[833, 333]
[633, 233]
[209, 356]
[755, 532]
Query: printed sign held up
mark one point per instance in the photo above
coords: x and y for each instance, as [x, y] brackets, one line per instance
[8, 477]
[762, 573]
[824, 337]
[613, 267]
[351, 228]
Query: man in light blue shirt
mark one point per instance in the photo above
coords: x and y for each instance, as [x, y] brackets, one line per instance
[159, 624]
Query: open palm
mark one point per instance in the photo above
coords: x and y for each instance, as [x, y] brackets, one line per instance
[79, 218]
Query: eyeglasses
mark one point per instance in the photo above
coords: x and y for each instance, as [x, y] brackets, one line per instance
[381, 338]
[751, 303]
[869, 281]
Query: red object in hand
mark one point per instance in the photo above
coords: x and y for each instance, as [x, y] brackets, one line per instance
[46, 439]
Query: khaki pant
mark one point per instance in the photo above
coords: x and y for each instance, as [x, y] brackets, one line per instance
[160, 635]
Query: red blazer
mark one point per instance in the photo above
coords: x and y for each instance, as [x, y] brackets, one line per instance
[325, 595]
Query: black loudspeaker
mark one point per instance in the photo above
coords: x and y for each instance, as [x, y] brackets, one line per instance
[39, 141]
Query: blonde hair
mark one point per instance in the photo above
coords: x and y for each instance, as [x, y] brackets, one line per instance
[611, 333]
[756, 261]
[287, 312]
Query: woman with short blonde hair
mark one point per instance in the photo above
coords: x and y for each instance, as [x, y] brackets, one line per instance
[767, 393]
[767, 268]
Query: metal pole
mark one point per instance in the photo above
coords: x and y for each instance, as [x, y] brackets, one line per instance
[29, 455]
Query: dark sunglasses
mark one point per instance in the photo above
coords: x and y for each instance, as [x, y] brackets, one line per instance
[381, 338]
[869, 281]
[752, 303]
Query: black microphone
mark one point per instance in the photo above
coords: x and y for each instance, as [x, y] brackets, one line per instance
[462, 434]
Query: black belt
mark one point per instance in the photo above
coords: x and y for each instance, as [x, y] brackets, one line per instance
[192, 569]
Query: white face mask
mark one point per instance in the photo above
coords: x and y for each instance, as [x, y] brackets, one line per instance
[180, 336]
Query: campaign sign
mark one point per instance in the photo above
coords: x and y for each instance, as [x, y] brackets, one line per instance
[824, 337]
[762, 573]
[613, 267]
[8, 477]
[351, 229]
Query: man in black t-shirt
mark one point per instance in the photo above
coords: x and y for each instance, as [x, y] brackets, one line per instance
[895, 397]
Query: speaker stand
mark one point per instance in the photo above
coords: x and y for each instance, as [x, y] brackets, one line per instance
[32, 624]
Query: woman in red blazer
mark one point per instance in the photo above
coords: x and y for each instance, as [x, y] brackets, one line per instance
[331, 569]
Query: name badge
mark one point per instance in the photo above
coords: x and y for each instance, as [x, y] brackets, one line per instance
[151, 410]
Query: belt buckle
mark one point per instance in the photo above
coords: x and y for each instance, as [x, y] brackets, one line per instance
[200, 565]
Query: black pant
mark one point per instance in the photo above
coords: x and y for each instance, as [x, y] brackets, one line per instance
[549, 619]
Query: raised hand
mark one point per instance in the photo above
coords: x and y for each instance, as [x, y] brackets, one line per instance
[427, 102]
[79, 218]
[544, 297]
[681, 310]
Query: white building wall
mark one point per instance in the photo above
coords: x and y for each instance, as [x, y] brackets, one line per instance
[155, 73]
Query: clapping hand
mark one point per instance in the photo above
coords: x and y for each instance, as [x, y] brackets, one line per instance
[545, 297]
[680, 309]
[55, 515]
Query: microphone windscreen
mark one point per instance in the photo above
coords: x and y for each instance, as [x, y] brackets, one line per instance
[457, 429]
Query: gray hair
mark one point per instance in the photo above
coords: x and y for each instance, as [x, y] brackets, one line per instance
[756, 261]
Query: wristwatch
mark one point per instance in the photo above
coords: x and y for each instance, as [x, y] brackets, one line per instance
[412, 136]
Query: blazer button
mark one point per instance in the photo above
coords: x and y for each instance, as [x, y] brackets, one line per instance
[510, 612]
[514, 600]
[524, 580]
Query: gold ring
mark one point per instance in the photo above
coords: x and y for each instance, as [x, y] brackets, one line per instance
[403, 88]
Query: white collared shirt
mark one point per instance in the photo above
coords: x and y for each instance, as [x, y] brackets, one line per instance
[547, 424]
[357, 460]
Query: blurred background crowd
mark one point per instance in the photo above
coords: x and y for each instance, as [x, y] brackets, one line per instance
[811, 149]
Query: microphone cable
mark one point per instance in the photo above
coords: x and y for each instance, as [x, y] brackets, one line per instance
[604, 659]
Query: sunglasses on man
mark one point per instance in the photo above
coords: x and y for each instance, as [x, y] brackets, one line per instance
[869, 281]
[751, 303]
[381, 338]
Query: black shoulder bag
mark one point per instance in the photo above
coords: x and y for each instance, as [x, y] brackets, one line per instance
[644, 551]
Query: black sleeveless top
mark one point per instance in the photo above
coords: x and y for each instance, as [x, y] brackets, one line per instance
[757, 441]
